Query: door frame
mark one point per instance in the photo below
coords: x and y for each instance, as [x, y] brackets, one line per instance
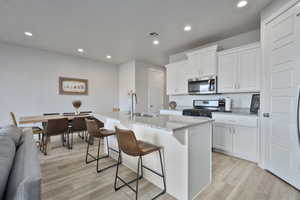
[263, 135]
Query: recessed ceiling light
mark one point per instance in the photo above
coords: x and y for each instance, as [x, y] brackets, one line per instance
[28, 34]
[187, 28]
[108, 56]
[80, 50]
[242, 3]
[155, 42]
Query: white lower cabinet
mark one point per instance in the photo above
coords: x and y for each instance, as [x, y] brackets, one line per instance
[222, 137]
[236, 137]
[245, 142]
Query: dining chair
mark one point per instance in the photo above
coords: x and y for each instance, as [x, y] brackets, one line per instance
[45, 123]
[78, 125]
[35, 129]
[54, 127]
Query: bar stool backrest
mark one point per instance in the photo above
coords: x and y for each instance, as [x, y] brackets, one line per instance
[92, 127]
[57, 126]
[127, 142]
[78, 124]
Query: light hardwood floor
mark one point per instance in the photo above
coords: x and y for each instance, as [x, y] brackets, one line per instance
[66, 176]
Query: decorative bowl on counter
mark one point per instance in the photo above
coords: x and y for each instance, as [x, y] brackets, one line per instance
[172, 105]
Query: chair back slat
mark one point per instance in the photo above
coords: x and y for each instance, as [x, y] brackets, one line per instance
[127, 142]
[49, 114]
[57, 126]
[78, 124]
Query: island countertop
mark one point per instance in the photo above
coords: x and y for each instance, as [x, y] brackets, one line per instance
[164, 122]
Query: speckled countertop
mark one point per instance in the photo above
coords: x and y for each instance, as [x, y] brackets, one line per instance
[164, 122]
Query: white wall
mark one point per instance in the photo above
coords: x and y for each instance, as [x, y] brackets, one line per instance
[29, 82]
[126, 84]
[228, 43]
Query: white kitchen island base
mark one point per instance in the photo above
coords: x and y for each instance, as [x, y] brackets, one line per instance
[186, 154]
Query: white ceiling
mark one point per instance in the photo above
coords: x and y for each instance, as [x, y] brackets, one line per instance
[121, 27]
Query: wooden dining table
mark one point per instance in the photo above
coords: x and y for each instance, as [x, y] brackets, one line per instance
[45, 118]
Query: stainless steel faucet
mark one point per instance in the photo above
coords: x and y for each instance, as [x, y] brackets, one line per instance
[133, 98]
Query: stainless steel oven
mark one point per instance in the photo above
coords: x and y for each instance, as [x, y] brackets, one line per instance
[202, 85]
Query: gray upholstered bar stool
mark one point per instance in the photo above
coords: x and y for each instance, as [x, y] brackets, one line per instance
[96, 130]
[131, 146]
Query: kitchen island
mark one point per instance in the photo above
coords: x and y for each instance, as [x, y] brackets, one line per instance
[186, 142]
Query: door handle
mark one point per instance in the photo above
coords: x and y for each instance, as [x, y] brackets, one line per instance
[266, 115]
[298, 112]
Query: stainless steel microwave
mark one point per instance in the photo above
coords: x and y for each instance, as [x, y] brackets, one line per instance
[202, 85]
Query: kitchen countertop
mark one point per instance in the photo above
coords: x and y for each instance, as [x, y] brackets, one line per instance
[164, 122]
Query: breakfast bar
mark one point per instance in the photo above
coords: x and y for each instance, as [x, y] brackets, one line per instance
[186, 146]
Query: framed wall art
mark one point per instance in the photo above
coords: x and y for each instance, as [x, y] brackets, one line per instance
[73, 86]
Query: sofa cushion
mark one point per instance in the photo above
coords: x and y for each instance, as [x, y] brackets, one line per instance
[25, 178]
[13, 132]
[7, 154]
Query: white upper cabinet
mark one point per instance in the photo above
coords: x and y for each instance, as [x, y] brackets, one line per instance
[203, 62]
[228, 66]
[239, 69]
[177, 78]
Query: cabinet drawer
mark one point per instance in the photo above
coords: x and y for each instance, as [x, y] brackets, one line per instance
[239, 120]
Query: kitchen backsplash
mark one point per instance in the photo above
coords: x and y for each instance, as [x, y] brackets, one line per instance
[242, 100]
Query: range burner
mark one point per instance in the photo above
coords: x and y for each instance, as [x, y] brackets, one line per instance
[198, 112]
[204, 108]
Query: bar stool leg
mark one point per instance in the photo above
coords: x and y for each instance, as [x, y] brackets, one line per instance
[107, 146]
[137, 179]
[161, 175]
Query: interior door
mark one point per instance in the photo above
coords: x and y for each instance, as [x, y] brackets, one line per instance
[155, 90]
[282, 71]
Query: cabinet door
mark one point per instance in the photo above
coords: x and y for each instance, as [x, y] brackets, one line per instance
[248, 72]
[171, 79]
[245, 142]
[194, 64]
[222, 137]
[227, 72]
[182, 78]
[208, 65]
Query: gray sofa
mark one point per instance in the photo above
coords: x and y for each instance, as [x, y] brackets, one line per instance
[20, 173]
